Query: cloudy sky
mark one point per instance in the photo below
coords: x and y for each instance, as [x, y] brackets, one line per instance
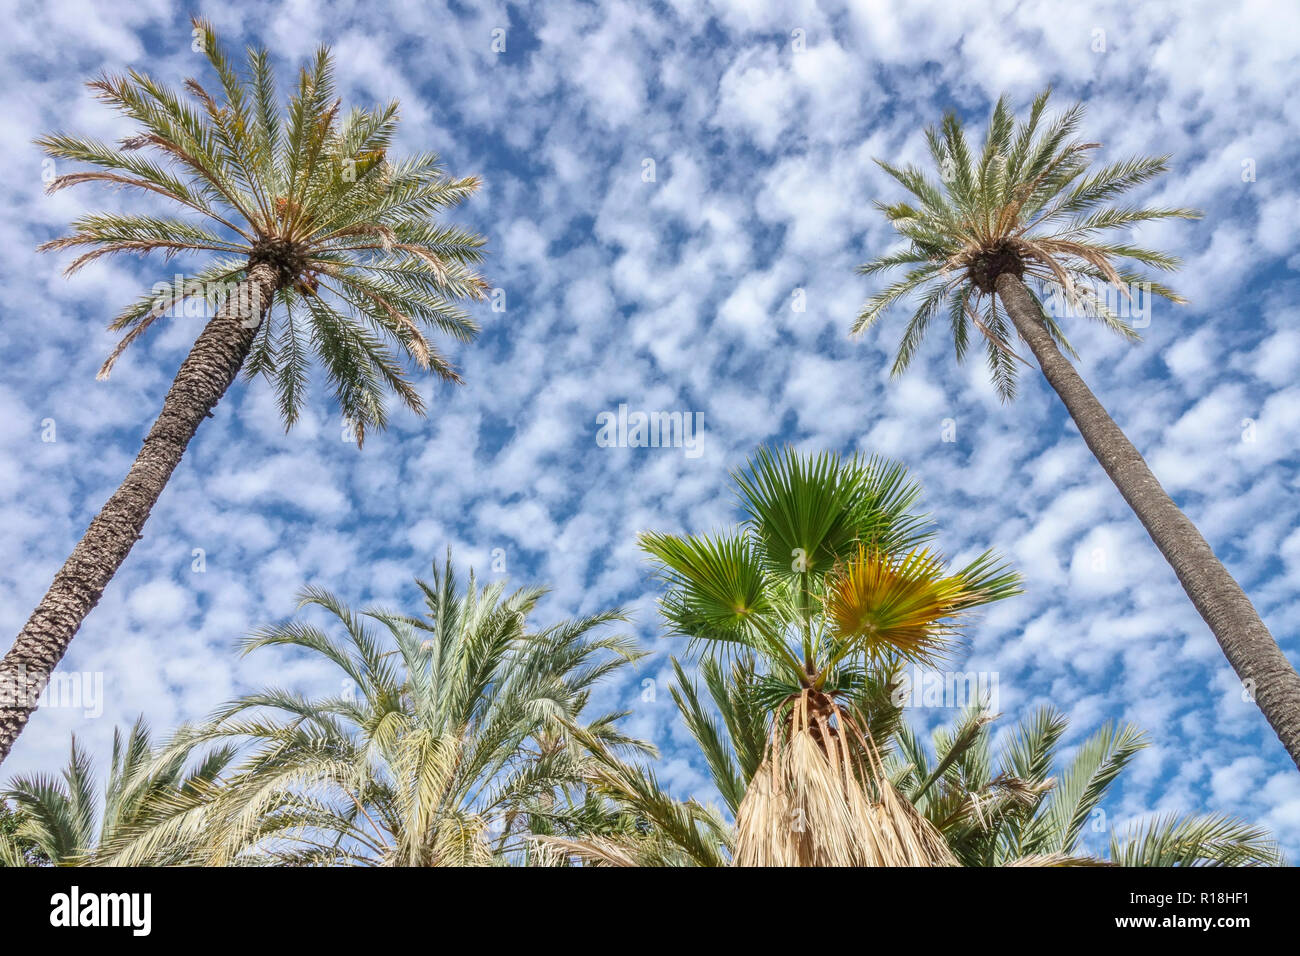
[663, 183]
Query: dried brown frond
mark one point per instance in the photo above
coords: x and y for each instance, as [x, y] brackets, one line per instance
[821, 798]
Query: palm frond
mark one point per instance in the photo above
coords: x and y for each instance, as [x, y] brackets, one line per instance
[362, 264]
[1028, 204]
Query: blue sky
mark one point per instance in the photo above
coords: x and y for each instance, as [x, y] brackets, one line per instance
[676, 294]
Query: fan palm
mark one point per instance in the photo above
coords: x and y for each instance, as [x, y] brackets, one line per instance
[63, 822]
[1021, 808]
[1029, 205]
[828, 577]
[320, 247]
[1018, 810]
[451, 733]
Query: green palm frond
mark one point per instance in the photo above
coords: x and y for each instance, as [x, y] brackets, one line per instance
[1195, 841]
[1032, 748]
[1027, 814]
[719, 591]
[806, 510]
[452, 730]
[365, 269]
[67, 822]
[733, 743]
[1081, 788]
[1030, 203]
[667, 831]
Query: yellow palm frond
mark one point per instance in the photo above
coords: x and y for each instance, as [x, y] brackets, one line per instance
[905, 604]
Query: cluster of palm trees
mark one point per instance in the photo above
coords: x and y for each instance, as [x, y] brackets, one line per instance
[462, 736]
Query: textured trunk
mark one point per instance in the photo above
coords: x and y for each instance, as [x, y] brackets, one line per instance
[203, 378]
[1246, 642]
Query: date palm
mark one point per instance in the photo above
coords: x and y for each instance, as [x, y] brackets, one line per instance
[828, 578]
[64, 822]
[1030, 205]
[1021, 807]
[319, 247]
[450, 732]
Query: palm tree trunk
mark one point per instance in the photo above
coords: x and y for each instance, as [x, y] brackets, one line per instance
[1251, 650]
[203, 378]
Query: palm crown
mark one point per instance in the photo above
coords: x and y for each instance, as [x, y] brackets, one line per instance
[1029, 203]
[362, 269]
[455, 735]
[63, 822]
[830, 570]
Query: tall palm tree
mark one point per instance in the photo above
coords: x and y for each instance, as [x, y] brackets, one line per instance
[65, 822]
[1022, 806]
[828, 577]
[1030, 205]
[321, 247]
[451, 741]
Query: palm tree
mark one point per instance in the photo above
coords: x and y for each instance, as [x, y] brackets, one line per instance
[1018, 811]
[1030, 205]
[64, 822]
[329, 251]
[1029, 810]
[451, 742]
[828, 578]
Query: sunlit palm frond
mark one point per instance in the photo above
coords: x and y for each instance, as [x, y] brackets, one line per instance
[452, 729]
[1029, 203]
[1216, 840]
[907, 606]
